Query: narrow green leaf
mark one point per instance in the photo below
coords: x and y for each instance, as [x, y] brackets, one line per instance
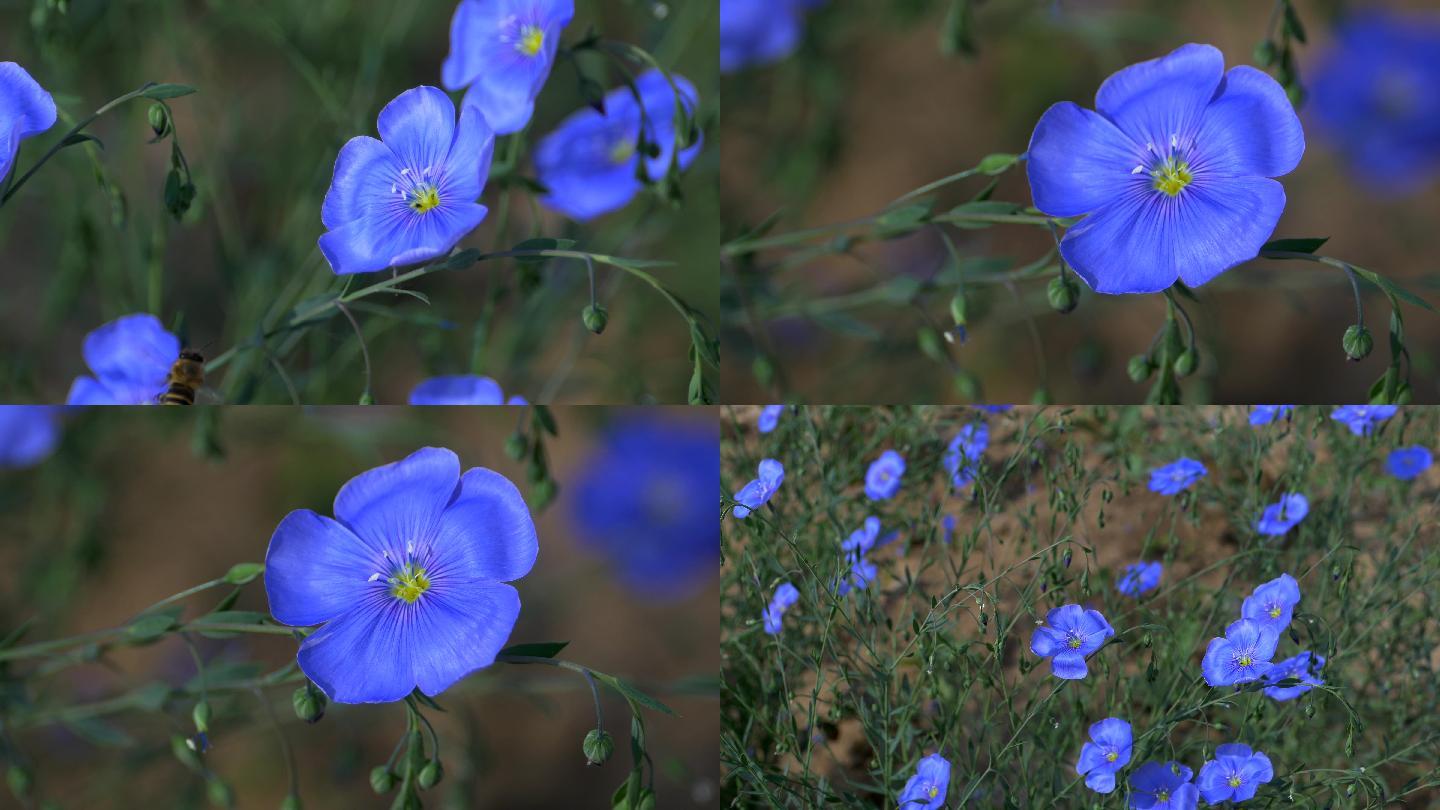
[152, 625]
[1301, 245]
[541, 649]
[630, 692]
[164, 91]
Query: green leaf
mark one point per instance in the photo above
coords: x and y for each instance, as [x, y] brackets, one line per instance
[844, 324]
[79, 138]
[1392, 288]
[903, 219]
[546, 420]
[163, 91]
[463, 259]
[152, 625]
[631, 693]
[542, 243]
[231, 617]
[540, 649]
[997, 163]
[98, 733]
[241, 573]
[1302, 245]
[151, 697]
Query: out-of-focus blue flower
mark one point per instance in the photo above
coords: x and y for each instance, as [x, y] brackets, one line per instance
[1273, 604]
[859, 544]
[862, 573]
[1279, 518]
[130, 358]
[863, 539]
[962, 457]
[1162, 786]
[641, 500]
[785, 596]
[590, 164]
[1243, 655]
[1265, 414]
[882, 479]
[927, 788]
[994, 408]
[1406, 463]
[1139, 578]
[1176, 476]
[26, 110]
[1304, 667]
[758, 492]
[28, 434]
[1172, 173]
[1234, 774]
[408, 578]
[948, 522]
[1107, 752]
[461, 389]
[1069, 634]
[759, 32]
[1362, 419]
[409, 197]
[502, 51]
[769, 417]
[1373, 94]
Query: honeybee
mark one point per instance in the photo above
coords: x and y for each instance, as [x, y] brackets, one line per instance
[187, 375]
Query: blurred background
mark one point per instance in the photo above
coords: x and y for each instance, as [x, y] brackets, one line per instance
[281, 86]
[132, 505]
[869, 106]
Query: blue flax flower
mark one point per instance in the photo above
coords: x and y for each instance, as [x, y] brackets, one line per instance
[590, 164]
[769, 417]
[1362, 419]
[641, 499]
[759, 32]
[1172, 171]
[927, 788]
[1273, 604]
[1304, 667]
[1176, 476]
[1282, 516]
[502, 51]
[1069, 634]
[758, 492]
[26, 110]
[882, 479]
[409, 197]
[408, 579]
[1406, 463]
[461, 389]
[1243, 655]
[1139, 578]
[855, 548]
[28, 434]
[785, 596]
[1234, 774]
[1162, 786]
[130, 358]
[1106, 753]
[1265, 414]
[962, 457]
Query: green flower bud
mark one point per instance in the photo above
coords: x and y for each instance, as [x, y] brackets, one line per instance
[309, 703]
[1140, 368]
[1064, 294]
[19, 781]
[543, 493]
[183, 751]
[929, 341]
[1357, 342]
[431, 774]
[159, 121]
[1265, 53]
[1186, 362]
[598, 746]
[382, 781]
[595, 318]
[957, 309]
[201, 716]
[1297, 95]
[516, 446]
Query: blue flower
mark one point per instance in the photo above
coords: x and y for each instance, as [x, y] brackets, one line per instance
[1139, 578]
[1304, 667]
[758, 492]
[863, 539]
[28, 434]
[1069, 634]
[882, 479]
[590, 164]
[26, 110]
[409, 197]
[1176, 476]
[642, 500]
[994, 408]
[769, 417]
[1234, 774]
[130, 358]
[1243, 655]
[1273, 604]
[962, 457]
[785, 596]
[758, 32]
[1265, 414]
[859, 544]
[461, 389]
[1406, 463]
[1105, 755]
[1173, 171]
[1373, 95]
[502, 51]
[408, 579]
[1162, 786]
[948, 522]
[862, 573]
[1362, 419]
[927, 788]
[1279, 518]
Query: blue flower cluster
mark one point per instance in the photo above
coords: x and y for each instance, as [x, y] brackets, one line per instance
[962, 457]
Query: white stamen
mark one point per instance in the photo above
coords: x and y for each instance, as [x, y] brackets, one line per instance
[410, 548]
[373, 577]
[1137, 170]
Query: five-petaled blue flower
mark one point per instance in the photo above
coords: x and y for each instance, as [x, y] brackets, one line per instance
[1172, 171]
[1362, 419]
[502, 51]
[26, 110]
[130, 358]
[962, 457]
[927, 788]
[1243, 655]
[1280, 517]
[1069, 634]
[785, 596]
[1162, 786]
[1272, 604]
[1265, 414]
[1304, 667]
[28, 434]
[461, 389]
[408, 579]
[1176, 476]
[757, 492]
[1406, 463]
[1106, 753]
[1139, 578]
[769, 417]
[590, 164]
[1234, 774]
[409, 197]
[882, 479]
[759, 32]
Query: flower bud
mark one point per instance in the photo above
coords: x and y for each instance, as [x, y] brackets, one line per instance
[382, 781]
[201, 716]
[159, 121]
[595, 318]
[957, 309]
[1140, 368]
[180, 746]
[543, 493]
[431, 774]
[1357, 342]
[1264, 53]
[598, 746]
[516, 446]
[1186, 362]
[1064, 293]
[309, 703]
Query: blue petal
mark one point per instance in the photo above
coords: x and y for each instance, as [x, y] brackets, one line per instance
[505, 89]
[1112, 731]
[468, 164]
[1078, 161]
[419, 126]
[487, 532]
[28, 434]
[1215, 664]
[1091, 757]
[1250, 129]
[365, 655]
[316, 569]
[1156, 100]
[25, 110]
[1069, 665]
[1046, 642]
[468, 28]
[1240, 750]
[457, 389]
[398, 504]
[379, 241]
[756, 32]
[89, 391]
[1212, 782]
[364, 173]
[1101, 781]
[1257, 769]
[459, 630]
[130, 352]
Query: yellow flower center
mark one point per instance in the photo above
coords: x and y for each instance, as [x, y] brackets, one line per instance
[424, 198]
[1075, 643]
[1111, 757]
[1246, 660]
[622, 151]
[531, 40]
[934, 791]
[1163, 796]
[1172, 176]
[1234, 781]
[1275, 612]
[409, 583]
